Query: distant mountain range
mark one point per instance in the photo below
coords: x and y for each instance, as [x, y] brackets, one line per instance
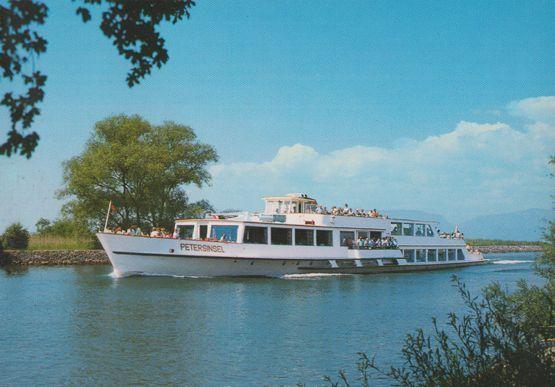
[527, 225]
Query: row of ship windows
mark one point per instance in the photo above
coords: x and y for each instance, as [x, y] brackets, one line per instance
[259, 235]
[412, 229]
[433, 255]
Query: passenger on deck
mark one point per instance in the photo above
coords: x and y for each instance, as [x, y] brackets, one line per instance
[360, 242]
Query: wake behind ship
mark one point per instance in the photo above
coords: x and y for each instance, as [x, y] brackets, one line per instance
[293, 235]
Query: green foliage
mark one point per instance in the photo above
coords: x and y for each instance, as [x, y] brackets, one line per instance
[64, 227]
[15, 237]
[132, 26]
[504, 339]
[500, 341]
[501, 242]
[142, 168]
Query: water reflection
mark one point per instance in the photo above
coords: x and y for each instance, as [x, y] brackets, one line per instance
[14, 269]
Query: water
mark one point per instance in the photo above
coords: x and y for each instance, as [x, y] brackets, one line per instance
[75, 325]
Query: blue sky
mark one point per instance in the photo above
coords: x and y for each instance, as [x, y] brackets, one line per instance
[433, 106]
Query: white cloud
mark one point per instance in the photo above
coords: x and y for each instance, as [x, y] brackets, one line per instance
[540, 109]
[475, 168]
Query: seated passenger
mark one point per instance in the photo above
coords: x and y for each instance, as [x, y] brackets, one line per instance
[347, 211]
[361, 242]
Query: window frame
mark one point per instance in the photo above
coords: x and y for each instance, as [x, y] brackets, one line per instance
[255, 243]
[428, 255]
[423, 228]
[330, 233]
[439, 259]
[190, 227]
[301, 230]
[422, 257]
[412, 258]
[290, 236]
[218, 226]
[412, 229]
[400, 232]
[341, 238]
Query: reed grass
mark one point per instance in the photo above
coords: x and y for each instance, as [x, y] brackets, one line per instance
[53, 242]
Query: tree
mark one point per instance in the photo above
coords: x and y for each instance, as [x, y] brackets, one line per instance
[141, 168]
[15, 237]
[132, 26]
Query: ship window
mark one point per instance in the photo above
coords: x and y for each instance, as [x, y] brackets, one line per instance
[429, 231]
[408, 229]
[420, 255]
[347, 238]
[186, 232]
[281, 236]
[419, 229]
[460, 255]
[256, 235]
[408, 255]
[203, 232]
[375, 234]
[304, 237]
[451, 254]
[224, 233]
[324, 238]
[397, 229]
[432, 255]
[441, 256]
[362, 234]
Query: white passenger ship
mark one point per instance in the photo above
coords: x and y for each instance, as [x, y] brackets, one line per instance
[289, 237]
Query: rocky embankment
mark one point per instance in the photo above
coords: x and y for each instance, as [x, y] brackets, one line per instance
[53, 257]
[508, 249]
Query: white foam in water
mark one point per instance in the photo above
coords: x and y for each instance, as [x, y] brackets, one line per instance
[312, 275]
[509, 262]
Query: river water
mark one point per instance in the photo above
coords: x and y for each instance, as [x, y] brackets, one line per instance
[78, 325]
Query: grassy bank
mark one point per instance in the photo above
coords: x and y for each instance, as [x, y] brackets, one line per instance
[501, 242]
[51, 242]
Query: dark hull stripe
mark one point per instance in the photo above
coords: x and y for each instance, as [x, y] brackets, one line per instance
[392, 267]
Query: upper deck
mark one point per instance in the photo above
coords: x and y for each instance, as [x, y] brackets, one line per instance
[301, 211]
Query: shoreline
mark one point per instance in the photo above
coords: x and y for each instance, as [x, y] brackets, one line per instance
[99, 257]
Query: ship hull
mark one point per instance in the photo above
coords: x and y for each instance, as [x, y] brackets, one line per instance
[171, 257]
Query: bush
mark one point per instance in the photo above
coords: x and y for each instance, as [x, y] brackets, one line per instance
[16, 237]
